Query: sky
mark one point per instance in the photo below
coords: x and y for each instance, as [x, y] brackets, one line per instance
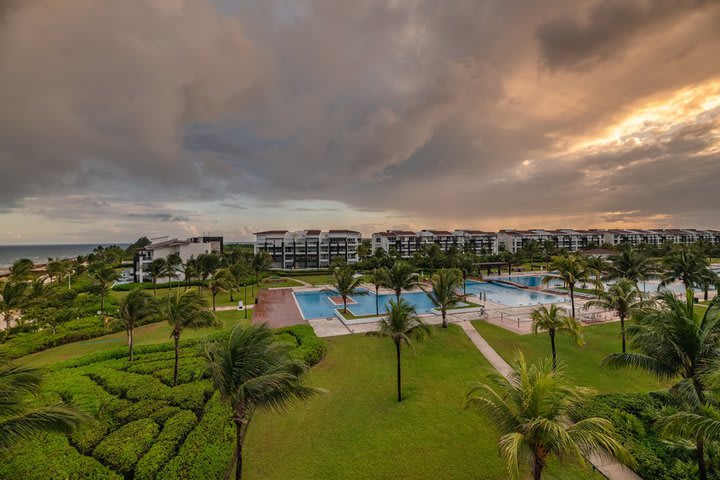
[182, 117]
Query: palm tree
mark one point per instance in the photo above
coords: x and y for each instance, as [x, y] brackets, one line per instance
[252, 372]
[432, 252]
[670, 341]
[345, 282]
[685, 265]
[12, 298]
[261, 263]
[220, 281]
[102, 277]
[54, 269]
[570, 269]
[364, 251]
[190, 270]
[467, 265]
[157, 269]
[553, 320]
[444, 289]
[597, 266]
[530, 409]
[377, 279]
[19, 418]
[549, 248]
[706, 280]
[400, 277]
[21, 270]
[624, 298]
[631, 264]
[188, 309]
[173, 263]
[207, 264]
[532, 249]
[240, 271]
[402, 325]
[135, 309]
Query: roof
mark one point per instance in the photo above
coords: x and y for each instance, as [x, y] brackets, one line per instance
[438, 232]
[272, 232]
[474, 232]
[344, 231]
[598, 251]
[168, 243]
[312, 232]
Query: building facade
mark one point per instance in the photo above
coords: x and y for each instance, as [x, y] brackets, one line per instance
[162, 247]
[308, 248]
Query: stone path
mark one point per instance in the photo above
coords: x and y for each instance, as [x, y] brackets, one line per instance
[609, 468]
[277, 308]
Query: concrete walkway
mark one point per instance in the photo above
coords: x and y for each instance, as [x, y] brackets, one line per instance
[609, 468]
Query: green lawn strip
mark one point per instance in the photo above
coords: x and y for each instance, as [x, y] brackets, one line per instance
[322, 279]
[358, 430]
[158, 332]
[581, 363]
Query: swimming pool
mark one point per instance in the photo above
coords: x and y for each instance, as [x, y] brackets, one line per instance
[511, 296]
[528, 280]
[317, 304]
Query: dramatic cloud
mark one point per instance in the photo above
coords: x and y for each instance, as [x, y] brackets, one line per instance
[176, 116]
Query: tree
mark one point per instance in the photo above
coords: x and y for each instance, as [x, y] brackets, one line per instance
[173, 263]
[240, 270]
[102, 277]
[220, 281]
[468, 266]
[686, 266]
[400, 277]
[207, 264]
[252, 371]
[570, 269]
[433, 253]
[553, 320]
[19, 418]
[364, 250]
[377, 278]
[597, 266]
[443, 292]
[21, 270]
[706, 280]
[624, 298]
[532, 249]
[190, 270]
[12, 298]
[135, 309]
[345, 282]
[54, 269]
[188, 309]
[261, 263]
[530, 408]
[157, 270]
[402, 325]
[670, 341]
[631, 264]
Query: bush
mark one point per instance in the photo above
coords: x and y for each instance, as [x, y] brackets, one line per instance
[122, 449]
[173, 433]
[311, 348]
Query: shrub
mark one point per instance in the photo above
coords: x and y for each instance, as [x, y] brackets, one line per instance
[207, 450]
[174, 431]
[122, 449]
[311, 348]
[165, 413]
[138, 410]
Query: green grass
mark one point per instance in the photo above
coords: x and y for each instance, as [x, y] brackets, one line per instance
[358, 430]
[322, 279]
[158, 332]
[582, 363]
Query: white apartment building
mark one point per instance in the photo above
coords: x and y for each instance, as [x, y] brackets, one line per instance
[407, 243]
[568, 239]
[308, 248]
[659, 236]
[161, 247]
[404, 242]
[477, 241]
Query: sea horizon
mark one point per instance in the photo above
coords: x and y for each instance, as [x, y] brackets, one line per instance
[41, 252]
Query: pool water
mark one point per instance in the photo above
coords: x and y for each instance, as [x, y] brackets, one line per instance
[528, 280]
[318, 304]
[511, 296]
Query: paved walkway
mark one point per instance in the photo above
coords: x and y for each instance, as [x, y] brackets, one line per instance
[609, 468]
[277, 308]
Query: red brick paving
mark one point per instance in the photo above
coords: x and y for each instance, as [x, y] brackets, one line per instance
[277, 308]
[339, 301]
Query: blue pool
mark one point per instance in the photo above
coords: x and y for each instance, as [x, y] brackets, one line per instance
[511, 296]
[527, 280]
[318, 305]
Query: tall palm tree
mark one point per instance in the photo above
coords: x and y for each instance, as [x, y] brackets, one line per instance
[364, 251]
[467, 263]
[624, 298]
[631, 264]
[207, 264]
[240, 271]
[685, 265]
[21, 270]
[532, 249]
[252, 372]
[553, 320]
[136, 308]
[103, 277]
[670, 341]
[54, 269]
[571, 269]
[173, 263]
[377, 279]
[188, 309]
[220, 281]
[345, 282]
[12, 298]
[261, 263]
[190, 271]
[530, 409]
[443, 292]
[706, 280]
[399, 277]
[157, 269]
[19, 418]
[597, 266]
[402, 325]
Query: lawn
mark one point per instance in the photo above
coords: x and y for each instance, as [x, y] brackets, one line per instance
[582, 363]
[320, 279]
[158, 332]
[358, 430]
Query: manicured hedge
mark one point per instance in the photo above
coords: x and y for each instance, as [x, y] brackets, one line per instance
[122, 449]
[311, 348]
[173, 433]
[207, 450]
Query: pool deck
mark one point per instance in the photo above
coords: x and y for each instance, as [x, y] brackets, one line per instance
[277, 308]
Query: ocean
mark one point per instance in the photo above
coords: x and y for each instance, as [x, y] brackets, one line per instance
[41, 253]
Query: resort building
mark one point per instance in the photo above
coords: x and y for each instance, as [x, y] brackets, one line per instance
[477, 241]
[573, 240]
[660, 236]
[407, 243]
[161, 247]
[404, 242]
[308, 248]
